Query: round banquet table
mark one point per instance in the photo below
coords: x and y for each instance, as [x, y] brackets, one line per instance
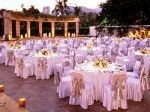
[98, 77]
[52, 60]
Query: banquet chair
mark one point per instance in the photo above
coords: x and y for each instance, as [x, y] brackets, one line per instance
[58, 70]
[63, 86]
[132, 59]
[135, 87]
[67, 68]
[90, 57]
[10, 58]
[2, 59]
[64, 51]
[79, 58]
[81, 92]
[147, 64]
[23, 69]
[120, 60]
[136, 70]
[114, 94]
[42, 69]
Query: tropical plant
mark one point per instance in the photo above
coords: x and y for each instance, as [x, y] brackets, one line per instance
[61, 8]
[32, 11]
[125, 12]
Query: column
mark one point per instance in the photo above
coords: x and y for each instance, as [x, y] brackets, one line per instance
[40, 28]
[18, 28]
[77, 29]
[66, 29]
[28, 29]
[53, 28]
[8, 28]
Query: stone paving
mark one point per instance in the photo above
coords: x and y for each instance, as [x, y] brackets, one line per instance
[41, 96]
[10, 105]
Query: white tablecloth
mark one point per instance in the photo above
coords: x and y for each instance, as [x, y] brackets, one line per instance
[52, 60]
[97, 76]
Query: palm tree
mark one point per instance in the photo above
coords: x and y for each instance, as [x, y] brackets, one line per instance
[61, 8]
[77, 10]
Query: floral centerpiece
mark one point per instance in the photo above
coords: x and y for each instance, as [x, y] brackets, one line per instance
[89, 46]
[144, 51]
[45, 52]
[16, 46]
[100, 63]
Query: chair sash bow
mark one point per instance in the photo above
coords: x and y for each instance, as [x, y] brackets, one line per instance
[42, 65]
[144, 79]
[20, 64]
[77, 84]
[56, 78]
[10, 55]
[118, 86]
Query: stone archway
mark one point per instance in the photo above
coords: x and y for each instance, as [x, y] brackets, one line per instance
[13, 28]
[71, 28]
[34, 28]
[59, 28]
[23, 28]
[46, 27]
[1, 26]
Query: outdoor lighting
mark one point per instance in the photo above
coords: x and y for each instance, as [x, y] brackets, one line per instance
[49, 34]
[22, 102]
[1, 88]
[68, 34]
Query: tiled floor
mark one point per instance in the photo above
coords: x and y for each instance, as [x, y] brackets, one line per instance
[10, 105]
[42, 97]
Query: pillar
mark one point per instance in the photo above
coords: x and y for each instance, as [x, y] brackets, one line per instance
[66, 29]
[53, 28]
[8, 28]
[17, 28]
[28, 29]
[40, 28]
[77, 29]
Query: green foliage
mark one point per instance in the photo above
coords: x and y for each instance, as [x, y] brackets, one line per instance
[77, 10]
[87, 19]
[32, 11]
[125, 12]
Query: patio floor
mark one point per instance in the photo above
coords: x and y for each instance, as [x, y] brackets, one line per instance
[41, 96]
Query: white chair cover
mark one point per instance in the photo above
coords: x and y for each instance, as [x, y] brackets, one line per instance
[114, 95]
[9, 58]
[81, 93]
[23, 69]
[42, 69]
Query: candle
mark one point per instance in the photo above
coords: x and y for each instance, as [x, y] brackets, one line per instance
[1, 88]
[49, 34]
[22, 102]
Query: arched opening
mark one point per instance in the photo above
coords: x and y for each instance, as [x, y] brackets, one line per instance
[46, 27]
[13, 28]
[34, 26]
[59, 29]
[23, 28]
[71, 27]
[1, 26]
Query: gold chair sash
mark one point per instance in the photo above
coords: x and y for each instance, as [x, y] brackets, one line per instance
[10, 55]
[144, 79]
[118, 85]
[56, 78]
[42, 65]
[20, 64]
[66, 63]
[77, 84]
